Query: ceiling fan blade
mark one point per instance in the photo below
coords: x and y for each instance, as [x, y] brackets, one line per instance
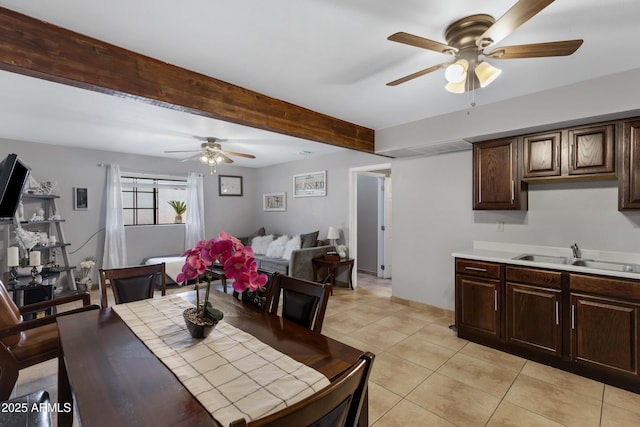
[233, 153]
[519, 13]
[190, 158]
[226, 159]
[417, 41]
[181, 151]
[535, 50]
[417, 74]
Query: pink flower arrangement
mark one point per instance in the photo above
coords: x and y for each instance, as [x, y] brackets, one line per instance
[236, 260]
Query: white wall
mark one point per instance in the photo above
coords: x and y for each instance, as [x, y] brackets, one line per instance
[307, 214]
[78, 168]
[433, 217]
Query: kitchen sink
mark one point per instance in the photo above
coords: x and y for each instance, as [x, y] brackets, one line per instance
[544, 258]
[582, 262]
[606, 265]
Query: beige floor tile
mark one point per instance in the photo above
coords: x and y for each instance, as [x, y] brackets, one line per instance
[396, 374]
[508, 361]
[564, 379]
[421, 352]
[440, 334]
[360, 345]
[401, 323]
[509, 415]
[407, 414]
[621, 398]
[381, 400]
[559, 404]
[613, 416]
[339, 322]
[454, 401]
[379, 336]
[477, 373]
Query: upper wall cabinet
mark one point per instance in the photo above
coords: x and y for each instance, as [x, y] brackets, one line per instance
[629, 182]
[583, 152]
[496, 180]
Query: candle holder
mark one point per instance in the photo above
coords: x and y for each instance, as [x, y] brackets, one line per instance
[13, 276]
[36, 279]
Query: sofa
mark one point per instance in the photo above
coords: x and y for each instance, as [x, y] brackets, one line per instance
[290, 259]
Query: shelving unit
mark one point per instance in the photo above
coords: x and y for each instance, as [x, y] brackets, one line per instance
[53, 227]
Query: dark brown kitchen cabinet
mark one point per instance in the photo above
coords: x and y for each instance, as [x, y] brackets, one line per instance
[534, 309]
[496, 178]
[592, 150]
[541, 155]
[586, 152]
[604, 323]
[478, 301]
[629, 179]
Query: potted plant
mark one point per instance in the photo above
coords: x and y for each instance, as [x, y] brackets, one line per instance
[238, 264]
[179, 208]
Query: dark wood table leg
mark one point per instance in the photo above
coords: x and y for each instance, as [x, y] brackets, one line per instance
[350, 278]
[65, 397]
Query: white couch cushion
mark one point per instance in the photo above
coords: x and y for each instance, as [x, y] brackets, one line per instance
[276, 248]
[292, 245]
[260, 244]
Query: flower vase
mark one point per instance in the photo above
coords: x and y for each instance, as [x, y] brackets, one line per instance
[198, 327]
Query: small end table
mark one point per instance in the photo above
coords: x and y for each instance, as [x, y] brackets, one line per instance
[332, 266]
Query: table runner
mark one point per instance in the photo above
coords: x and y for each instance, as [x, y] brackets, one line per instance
[231, 373]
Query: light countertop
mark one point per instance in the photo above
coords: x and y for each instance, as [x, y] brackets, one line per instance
[507, 253]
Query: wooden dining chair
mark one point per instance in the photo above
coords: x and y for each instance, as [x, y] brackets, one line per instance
[337, 405]
[132, 283]
[303, 301]
[28, 342]
[259, 298]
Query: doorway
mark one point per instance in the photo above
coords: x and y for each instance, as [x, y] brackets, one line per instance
[370, 219]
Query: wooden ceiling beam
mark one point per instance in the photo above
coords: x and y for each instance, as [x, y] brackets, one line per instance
[36, 48]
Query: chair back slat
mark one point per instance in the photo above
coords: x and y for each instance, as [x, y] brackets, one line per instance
[303, 301]
[132, 283]
[9, 315]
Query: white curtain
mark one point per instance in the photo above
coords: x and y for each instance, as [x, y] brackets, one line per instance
[115, 245]
[194, 230]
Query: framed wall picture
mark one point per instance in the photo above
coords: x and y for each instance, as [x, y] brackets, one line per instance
[312, 184]
[229, 185]
[274, 202]
[80, 198]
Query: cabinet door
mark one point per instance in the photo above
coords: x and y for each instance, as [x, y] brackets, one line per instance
[541, 155]
[533, 318]
[629, 183]
[477, 304]
[496, 183]
[603, 333]
[592, 150]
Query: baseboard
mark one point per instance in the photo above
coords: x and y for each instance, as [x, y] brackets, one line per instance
[419, 305]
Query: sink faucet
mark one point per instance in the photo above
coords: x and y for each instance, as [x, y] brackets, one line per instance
[576, 250]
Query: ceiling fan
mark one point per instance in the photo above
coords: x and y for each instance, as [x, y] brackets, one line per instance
[212, 154]
[467, 39]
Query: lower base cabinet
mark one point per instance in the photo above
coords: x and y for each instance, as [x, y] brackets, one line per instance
[581, 323]
[604, 333]
[533, 318]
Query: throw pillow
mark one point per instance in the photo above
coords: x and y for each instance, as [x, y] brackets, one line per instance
[276, 248]
[260, 244]
[309, 240]
[247, 240]
[291, 246]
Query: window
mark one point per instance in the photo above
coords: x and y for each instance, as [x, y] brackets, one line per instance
[145, 199]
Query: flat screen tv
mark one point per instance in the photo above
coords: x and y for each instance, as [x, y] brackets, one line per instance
[13, 177]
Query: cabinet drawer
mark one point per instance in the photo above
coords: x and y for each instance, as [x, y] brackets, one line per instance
[478, 268]
[621, 288]
[533, 276]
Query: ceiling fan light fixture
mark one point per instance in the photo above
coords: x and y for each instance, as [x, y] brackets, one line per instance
[457, 72]
[456, 87]
[486, 73]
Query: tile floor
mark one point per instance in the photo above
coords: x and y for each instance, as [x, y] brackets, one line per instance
[424, 375]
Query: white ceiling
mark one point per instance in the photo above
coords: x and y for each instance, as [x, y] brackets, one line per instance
[330, 56]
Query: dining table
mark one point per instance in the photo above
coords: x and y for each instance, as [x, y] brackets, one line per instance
[111, 378]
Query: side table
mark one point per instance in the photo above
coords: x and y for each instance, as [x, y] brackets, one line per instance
[332, 267]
